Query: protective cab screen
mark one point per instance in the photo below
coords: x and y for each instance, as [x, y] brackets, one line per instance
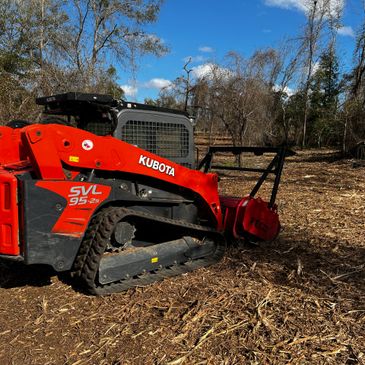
[164, 139]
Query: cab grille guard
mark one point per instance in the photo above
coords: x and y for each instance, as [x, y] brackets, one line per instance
[275, 166]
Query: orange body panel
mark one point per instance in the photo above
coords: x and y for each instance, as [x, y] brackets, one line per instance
[11, 148]
[82, 200]
[9, 220]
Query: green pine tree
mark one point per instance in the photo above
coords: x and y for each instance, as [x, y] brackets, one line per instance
[325, 88]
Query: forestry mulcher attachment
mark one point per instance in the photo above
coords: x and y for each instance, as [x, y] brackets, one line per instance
[108, 190]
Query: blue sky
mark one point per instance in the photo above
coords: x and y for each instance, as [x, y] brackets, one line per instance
[207, 29]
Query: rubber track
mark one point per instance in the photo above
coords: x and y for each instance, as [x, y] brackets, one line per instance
[96, 239]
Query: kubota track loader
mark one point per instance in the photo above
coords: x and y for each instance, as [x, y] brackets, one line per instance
[109, 191]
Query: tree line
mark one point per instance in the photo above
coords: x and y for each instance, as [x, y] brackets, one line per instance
[295, 94]
[52, 46]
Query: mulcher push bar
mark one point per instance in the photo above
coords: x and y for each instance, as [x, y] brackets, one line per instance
[275, 166]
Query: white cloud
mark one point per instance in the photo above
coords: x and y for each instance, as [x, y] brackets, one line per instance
[287, 4]
[305, 5]
[203, 70]
[315, 67]
[129, 90]
[206, 49]
[346, 31]
[157, 83]
[210, 69]
[194, 59]
[289, 91]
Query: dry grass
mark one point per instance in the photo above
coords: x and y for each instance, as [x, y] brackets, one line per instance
[298, 300]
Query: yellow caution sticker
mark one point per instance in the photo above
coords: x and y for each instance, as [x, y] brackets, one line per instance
[154, 260]
[74, 158]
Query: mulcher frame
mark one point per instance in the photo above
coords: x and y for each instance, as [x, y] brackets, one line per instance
[275, 167]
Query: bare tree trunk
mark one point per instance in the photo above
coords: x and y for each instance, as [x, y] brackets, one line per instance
[306, 109]
[187, 89]
[311, 38]
[41, 47]
[344, 139]
[211, 130]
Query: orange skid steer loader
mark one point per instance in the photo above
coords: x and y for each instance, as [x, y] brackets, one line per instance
[109, 191]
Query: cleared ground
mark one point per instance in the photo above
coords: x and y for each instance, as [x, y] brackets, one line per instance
[298, 300]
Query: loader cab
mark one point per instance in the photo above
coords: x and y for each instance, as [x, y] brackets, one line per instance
[164, 132]
[167, 133]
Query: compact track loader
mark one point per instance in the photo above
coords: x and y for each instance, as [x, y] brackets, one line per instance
[110, 191]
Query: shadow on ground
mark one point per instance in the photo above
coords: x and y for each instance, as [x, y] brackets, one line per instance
[314, 264]
[15, 275]
[325, 156]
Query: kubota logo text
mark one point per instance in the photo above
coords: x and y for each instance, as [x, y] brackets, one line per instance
[80, 195]
[156, 165]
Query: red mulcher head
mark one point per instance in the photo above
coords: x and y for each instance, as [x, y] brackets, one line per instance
[250, 218]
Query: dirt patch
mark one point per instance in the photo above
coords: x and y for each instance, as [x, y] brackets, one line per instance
[299, 299]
